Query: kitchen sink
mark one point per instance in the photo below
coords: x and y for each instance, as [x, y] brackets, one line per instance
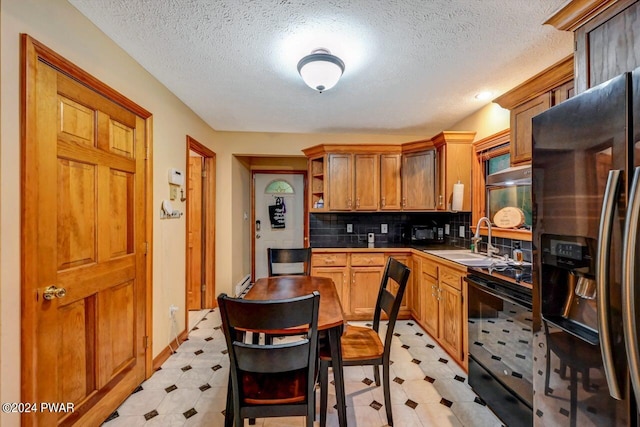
[468, 258]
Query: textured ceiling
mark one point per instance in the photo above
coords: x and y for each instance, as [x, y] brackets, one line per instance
[412, 66]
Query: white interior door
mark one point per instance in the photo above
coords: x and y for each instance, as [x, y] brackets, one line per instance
[279, 215]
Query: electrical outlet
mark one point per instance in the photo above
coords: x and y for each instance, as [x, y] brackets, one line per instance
[461, 231]
[447, 230]
[384, 229]
[349, 228]
[172, 310]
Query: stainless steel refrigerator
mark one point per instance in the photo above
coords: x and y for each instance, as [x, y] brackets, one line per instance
[585, 228]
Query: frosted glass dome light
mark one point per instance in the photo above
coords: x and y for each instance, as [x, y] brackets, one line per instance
[321, 70]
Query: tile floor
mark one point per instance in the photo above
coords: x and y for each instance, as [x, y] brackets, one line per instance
[190, 388]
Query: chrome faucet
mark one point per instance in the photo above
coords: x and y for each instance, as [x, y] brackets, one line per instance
[491, 250]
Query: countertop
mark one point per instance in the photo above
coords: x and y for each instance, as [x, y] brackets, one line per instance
[389, 247]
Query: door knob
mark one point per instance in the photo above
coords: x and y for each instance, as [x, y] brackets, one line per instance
[54, 292]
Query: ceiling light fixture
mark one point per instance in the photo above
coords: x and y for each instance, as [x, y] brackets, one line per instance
[320, 70]
[483, 96]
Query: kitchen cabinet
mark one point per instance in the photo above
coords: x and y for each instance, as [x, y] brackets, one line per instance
[607, 38]
[419, 180]
[357, 276]
[367, 181]
[521, 126]
[340, 182]
[529, 99]
[334, 266]
[317, 184]
[390, 181]
[443, 305]
[353, 181]
[454, 156]
[366, 274]
[414, 176]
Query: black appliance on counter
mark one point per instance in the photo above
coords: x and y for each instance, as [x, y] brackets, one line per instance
[425, 233]
[585, 227]
[500, 341]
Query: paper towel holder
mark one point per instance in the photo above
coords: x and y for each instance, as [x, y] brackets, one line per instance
[457, 196]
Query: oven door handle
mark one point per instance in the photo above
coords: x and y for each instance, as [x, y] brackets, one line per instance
[602, 276]
[496, 294]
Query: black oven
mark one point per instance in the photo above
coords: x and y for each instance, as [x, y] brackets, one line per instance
[500, 346]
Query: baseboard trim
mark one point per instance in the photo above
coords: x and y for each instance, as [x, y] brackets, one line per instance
[167, 352]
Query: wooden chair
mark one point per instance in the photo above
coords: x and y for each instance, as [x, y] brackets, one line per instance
[271, 380]
[289, 256]
[363, 346]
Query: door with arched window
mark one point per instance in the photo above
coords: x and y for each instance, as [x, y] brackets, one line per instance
[278, 212]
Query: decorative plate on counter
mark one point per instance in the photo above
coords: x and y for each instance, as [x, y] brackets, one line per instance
[509, 217]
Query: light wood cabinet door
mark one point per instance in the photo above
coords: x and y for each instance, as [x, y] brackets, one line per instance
[367, 181]
[363, 292]
[522, 129]
[340, 277]
[419, 180]
[451, 320]
[430, 310]
[340, 182]
[390, 182]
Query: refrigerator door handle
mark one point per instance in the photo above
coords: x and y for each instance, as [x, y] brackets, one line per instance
[628, 283]
[602, 275]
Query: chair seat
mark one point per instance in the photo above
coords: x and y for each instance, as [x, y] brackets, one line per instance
[274, 389]
[358, 343]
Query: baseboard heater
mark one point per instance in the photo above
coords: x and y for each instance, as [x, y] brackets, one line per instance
[243, 286]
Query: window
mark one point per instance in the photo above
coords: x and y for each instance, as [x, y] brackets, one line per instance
[492, 155]
[279, 186]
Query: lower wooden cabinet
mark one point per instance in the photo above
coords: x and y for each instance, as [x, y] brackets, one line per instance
[443, 309]
[357, 276]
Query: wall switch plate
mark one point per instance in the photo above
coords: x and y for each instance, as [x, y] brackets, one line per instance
[173, 192]
[349, 228]
[446, 229]
[384, 229]
[461, 231]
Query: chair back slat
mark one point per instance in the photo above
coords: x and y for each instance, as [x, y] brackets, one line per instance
[272, 358]
[255, 314]
[388, 302]
[289, 256]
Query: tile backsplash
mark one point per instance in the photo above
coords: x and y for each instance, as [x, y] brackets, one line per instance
[330, 229]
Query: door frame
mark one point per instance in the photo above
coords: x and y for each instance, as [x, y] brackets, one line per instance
[305, 210]
[209, 206]
[33, 51]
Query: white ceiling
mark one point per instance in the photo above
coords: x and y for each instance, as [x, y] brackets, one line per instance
[412, 66]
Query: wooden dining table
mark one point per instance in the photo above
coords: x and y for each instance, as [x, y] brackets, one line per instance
[330, 318]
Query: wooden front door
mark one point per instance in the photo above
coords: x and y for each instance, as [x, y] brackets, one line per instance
[84, 244]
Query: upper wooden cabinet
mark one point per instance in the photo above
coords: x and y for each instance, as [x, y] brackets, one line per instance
[607, 38]
[419, 180]
[539, 93]
[454, 153]
[367, 181]
[340, 182]
[415, 176]
[390, 181]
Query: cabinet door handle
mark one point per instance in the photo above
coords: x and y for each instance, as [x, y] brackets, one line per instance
[358, 202]
[349, 203]
[384, 202]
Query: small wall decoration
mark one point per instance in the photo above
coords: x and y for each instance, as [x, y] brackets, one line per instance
[276, 213]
